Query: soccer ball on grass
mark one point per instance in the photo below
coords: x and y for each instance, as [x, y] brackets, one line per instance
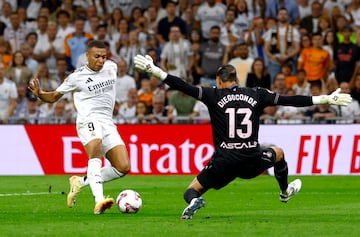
[129, 201]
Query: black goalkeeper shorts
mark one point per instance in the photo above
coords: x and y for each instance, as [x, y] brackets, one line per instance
[221, 170]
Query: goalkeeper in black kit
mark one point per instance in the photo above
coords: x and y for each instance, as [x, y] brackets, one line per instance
[235, 114]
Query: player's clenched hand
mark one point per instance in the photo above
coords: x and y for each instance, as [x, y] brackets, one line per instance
[335, 98]
[34, 86]
[146, 64]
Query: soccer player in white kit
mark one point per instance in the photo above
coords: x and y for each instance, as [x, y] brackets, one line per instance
[93, 86]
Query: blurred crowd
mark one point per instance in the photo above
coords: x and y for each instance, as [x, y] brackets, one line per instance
[292, 47]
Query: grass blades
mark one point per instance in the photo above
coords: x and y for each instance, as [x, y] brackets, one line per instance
[326, 206]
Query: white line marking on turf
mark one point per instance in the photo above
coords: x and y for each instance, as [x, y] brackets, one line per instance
[25, 194]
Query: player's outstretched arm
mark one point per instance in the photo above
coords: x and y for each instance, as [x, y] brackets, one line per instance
[335, 98]
[50, 97]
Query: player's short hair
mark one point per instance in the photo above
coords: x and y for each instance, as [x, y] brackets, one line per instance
[227, 73]
[96, 44]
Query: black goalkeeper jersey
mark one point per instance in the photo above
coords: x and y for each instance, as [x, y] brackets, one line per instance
[235, 113]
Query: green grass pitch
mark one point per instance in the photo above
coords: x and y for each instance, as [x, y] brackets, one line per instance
[326, 206]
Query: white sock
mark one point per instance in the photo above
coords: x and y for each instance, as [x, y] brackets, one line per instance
[94, 178]
[107, 174]
[110, 173]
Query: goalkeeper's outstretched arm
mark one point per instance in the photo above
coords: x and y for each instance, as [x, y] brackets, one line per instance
[146, 64]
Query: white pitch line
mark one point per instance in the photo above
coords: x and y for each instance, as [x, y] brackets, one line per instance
[25, 194]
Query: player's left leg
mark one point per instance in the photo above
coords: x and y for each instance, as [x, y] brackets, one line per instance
[281, 175]
[193, 197]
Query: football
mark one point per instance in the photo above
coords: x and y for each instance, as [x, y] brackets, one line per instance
[129, 201]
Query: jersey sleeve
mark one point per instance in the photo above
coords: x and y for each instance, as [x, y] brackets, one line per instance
[269, 98]
[67, 86]
[178, 84]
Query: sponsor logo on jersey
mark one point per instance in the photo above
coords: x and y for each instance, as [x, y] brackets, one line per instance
[238, 145]
[88, 80]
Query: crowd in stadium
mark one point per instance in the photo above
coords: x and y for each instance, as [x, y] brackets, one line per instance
[304, 47]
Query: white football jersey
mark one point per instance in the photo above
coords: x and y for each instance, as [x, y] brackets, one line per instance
[94, 92]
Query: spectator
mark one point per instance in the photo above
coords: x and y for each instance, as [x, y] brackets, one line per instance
[120, 38]
[304, 8]
[21, 102]
[346, 56]
[33, 9]
[64, 25]
[15, 32]
[311, 22]
[124, 82]
[177, 55]
[47, 83]
[51, 49]
[289, 114]
[302, 87]
[254, 38]
[257, 8]
[31, 38]
[355, 87]
[30, 62]
[61, 71]
[273, 7]
[8, 96]
[281, 43]
[258, 76]
[75, 44]
[140, 113]
[59, 115]
[229, 36]
[349, 113]
[159, 111]
[210, 13]
[201, 111]
[319, 113]
[128, 52]
[329, 45]
[242, 63]
[243, 19]
[41, 30]
[145, 93]
[290, 78]
[113, 22]
[166, 23]
[18, 72]
[6, 55]
[211, 54]
[127, 110]
[6, 10]
[315, 61]
[33, 114]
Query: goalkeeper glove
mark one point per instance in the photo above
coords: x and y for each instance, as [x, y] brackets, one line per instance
[146, 64]
[335, 98]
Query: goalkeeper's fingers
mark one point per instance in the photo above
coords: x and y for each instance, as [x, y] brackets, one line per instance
[343, 99]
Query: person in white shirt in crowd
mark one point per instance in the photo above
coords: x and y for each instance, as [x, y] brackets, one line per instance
[94, 97]
[51, 49]
[15, 32]
[124, 82]
[127, 110]
[209, 13]
[8, 96]
[6, 10]
[349, 113]
[176, 56]
[33, 9]
[64, 25]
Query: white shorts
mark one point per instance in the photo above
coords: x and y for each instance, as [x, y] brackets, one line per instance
[100, 129]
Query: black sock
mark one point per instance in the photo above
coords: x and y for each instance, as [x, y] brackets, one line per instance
[190, 193]
[281, 174]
